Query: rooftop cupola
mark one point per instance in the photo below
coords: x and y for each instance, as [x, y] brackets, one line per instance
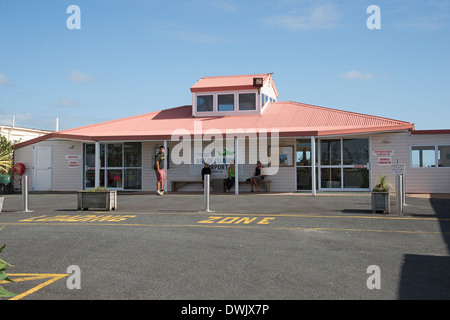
[233, 95]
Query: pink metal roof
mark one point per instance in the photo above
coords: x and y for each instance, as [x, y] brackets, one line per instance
[291, 119]
[240, 82]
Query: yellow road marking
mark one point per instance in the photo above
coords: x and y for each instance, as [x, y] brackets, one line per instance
[292, 215]
[79, 218]
[34, 276]
[228, 226]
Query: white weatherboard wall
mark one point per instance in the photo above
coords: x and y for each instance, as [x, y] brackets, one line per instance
[418, 180]
[283, 181]
[64, 178]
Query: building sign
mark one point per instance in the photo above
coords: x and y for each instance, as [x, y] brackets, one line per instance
[74, 164]
[383, 153]
[73, 157]
[398, 168]
[74, 160]
[384, 161]
[218, 164]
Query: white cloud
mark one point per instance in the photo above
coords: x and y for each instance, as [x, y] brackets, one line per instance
[80, 77]
[357, 75]
[4, 80]
[321, 17]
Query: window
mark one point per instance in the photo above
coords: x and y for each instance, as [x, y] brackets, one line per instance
[344, 163]
[429, 156]
[356, 178]
[225, 102]
[205, 103]
[444, 156]
[330, 152]
[121, 165]
[133, 154]
[114, 155]
[304, 166]
[423, 156]
[355, 151]
[264, 99]
[247, 101]
[330, 178]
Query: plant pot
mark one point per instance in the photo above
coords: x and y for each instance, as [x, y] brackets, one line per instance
[381, 202]
[106, 200]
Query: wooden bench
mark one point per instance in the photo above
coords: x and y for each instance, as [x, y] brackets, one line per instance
[265, 183]
[178, 184]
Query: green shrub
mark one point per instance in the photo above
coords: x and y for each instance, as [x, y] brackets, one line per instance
[3, 276]
[382, 185]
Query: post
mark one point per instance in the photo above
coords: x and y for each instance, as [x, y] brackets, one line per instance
[404, 189]
[25, 193]
[236, 166]
[206, 191]
[97, 164]
[165, 161]
[313, 165]
[399, 191]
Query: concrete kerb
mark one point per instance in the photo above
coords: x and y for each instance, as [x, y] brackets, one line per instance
[245, 203]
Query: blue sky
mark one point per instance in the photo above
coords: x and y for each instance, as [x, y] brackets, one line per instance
[136, 56]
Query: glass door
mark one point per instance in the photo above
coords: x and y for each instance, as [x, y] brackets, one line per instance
[344, 164]
[330, 164]
[120, 166]
[303, 164]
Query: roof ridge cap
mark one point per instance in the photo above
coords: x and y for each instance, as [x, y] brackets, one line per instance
[239, 75]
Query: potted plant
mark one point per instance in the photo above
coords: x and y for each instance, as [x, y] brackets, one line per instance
[380, 196]
[97, 198]
[5, 167]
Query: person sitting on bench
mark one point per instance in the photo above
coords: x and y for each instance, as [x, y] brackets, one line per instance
[257, 177]
[231, 177]
[206, 170]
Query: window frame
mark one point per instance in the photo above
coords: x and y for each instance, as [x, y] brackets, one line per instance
[225, 94]
[238, 104]
[204, 95]
[436, 156]
[106, 168]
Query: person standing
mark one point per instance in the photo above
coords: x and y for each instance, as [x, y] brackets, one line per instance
[206, 170]
[159, 171]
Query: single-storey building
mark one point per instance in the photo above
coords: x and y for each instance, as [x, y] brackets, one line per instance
[313, 148]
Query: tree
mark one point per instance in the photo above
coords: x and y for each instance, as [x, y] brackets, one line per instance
[6, 155]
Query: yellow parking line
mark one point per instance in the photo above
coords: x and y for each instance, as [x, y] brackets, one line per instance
[291, 215]
[230, 226]
[54, 277]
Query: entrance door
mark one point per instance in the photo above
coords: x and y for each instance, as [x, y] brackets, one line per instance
[42, 169]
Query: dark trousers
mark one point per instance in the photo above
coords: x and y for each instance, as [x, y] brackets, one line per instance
[229, 183]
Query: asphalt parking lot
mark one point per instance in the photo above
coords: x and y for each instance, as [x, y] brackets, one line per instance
[251, 246]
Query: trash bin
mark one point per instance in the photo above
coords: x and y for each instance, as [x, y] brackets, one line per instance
[5, 184]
